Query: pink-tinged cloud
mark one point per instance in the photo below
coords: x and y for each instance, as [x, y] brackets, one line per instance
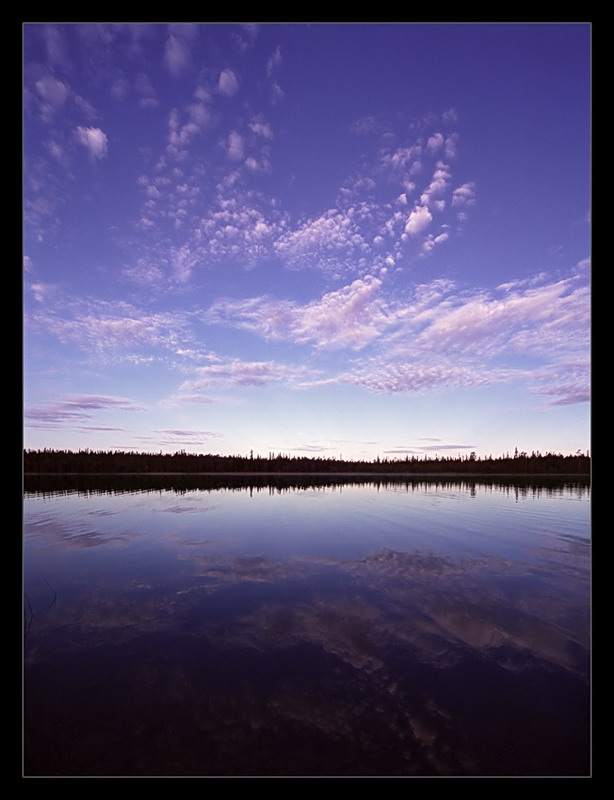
[76, 407]
[565, 383]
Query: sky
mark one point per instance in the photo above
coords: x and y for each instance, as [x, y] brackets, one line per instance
[330, 240]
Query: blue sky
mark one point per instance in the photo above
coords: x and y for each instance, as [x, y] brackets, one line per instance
[359, 240]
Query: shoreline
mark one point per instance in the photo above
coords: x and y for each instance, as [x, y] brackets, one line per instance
[331, 474]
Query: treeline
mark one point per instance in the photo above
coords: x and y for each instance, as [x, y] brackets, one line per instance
[87, 461]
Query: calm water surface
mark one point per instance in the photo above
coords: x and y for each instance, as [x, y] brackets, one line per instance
[305, 627]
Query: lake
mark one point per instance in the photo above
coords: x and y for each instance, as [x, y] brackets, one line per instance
[306, 626]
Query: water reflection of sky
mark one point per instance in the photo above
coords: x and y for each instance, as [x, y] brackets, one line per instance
[369, 585]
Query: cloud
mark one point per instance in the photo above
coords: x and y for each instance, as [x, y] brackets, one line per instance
[273, 62]
[94, 140]
[464, 195]
[53, 91]
[277, 93]
[146, 92]
[74, 408]
[192, 434]
[451, 145]
[179, 136]
[403, 161]
[436, 447]
[236, 146]
[247, 35]
[331, 241]
[438, 184]
[397, 377]
[441, 338]
[51, 95]
[236, 228]
[432, 241]
[113, 329]
[177, 56]
[435, 142]
[567, 394]
[565, 383]
[350, 317]
[544, 319]
[260, 127]
[235, 372]
[182, 262]
[55, 45]
[228, 83]
[366, 126]
[42, 291]
[177, 400]
[419, 219]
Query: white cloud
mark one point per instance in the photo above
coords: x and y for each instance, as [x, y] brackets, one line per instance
[551, 320]
[438, 184]
[432, 241]
[350, 317]
[435, 142]
[183, 262]
[419, 219]
[333, 241]
[94, 140]
[464, 195]
[237, 229]
[228, 83]
[113, 329]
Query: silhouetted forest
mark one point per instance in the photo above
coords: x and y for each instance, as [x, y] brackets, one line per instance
[87, 461]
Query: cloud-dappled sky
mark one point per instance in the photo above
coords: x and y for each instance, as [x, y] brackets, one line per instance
[355, 239]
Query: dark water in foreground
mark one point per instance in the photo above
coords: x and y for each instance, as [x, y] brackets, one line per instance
[306, 627]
